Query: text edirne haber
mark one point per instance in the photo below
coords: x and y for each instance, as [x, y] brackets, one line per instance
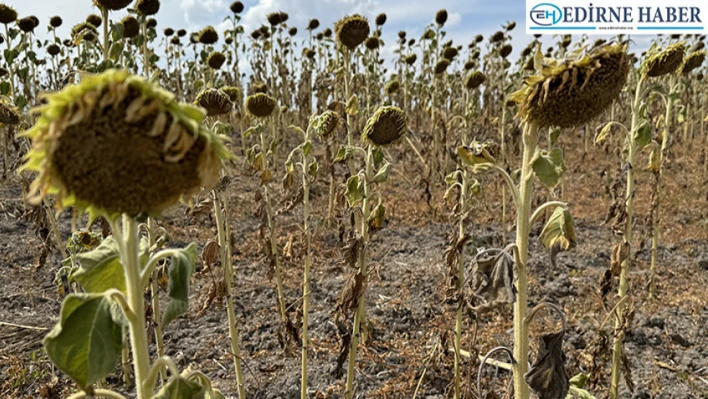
[621, 14]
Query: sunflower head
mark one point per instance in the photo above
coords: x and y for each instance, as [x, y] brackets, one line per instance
[277, 18]
[313, 24]
[8, 14]
[568, 94]
[260, 105]
[234, 94]
[236, 7]
[94, 20]
[372, 43]
[381, 19]
[151, 23]
[208, 35]
[392, 87]
[214, 101]
[28, 24]
[352, 30]
[113, 5]
[660, 63]
[148, 7]
[292, 31]
[55, 21]
[325, 125]
[9, 115]
[387, 126]
[85, 31]
[497, 37]
[450, 52]
[216, 59]
[470, 65]
[411, 58]
[168, 32]
[117, 144]
[53, 49]
[131, 27]
[181, 33]
[475, 79]
[693, 61]
[441, 17]
[259, 87]
[505, 50]
[441, 66]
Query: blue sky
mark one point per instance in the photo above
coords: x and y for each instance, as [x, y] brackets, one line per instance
[467, 18]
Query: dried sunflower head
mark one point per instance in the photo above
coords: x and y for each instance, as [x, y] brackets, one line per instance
[234, 93]
[381, 19]
[9, 115]
[497, 37]
[693, 61]
[510, 26]
[175, 41]
[260, 105]
[392, 86]
[571, 93]
[410, 59]
[475, 79]
[277, 18]
[313, 24]
[660, 63]
[216, 59]
[55, 21]
[131, 27]
[292, 31]
[441, 17]
[327, 32]
[151, 23]
[505, 50]
[214, 101]
[148, 7]
[352, 30]
[84, 30]
[94, 20]
[27, 24]
[325, 125]
[113, 5]
[8, 14]
[387, 126]
[168, 32]
[208, 35]
[441, 66]
[450, 53]
[236, 7]
[53, 49]
[117, 144]
[372, 43]
[470, 65]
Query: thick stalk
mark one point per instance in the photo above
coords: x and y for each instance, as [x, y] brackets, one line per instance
[9, 65]
[360, 314]
[503, 159]
[521, 336]
[306, 275]
[223, 235]
[136, 301]
[460, 280]
[104, 15]
[656, 228]
[623, 285]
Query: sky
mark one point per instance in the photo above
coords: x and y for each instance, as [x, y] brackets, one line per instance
[467, 18]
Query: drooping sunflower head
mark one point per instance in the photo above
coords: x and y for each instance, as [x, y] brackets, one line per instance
[277, 18]
[450, 52]
[260, 105]
[475, 79]
[411, 59]
[497, 37]
[28, 24]
[131, 27]
[9, 115]
[505, 50]
[352, 30]
[234, 94]
[441, 17]
[117, 144]
[94, 20]
[214, 101]
[470, 65]
[392, 87]
[313, 24]
[693, 61]
[53, 49]
[168, 31]
[236, 7]
[85, 31]
[325, 125]
[113, 5]
[441, 66]
[660, 63]
[387, 126]
[151, 23]
[571, 93]
[55, 21]
[372, 43]
[208, 35]
[259, 87]
[292, 31]
[8, 14]
[148, 7]
[216, 59]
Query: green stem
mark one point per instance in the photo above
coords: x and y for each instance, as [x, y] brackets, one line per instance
[521, 336]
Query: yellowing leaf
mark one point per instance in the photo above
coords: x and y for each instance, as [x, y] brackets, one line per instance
[353, 106]
[548, 167]
[559, 231]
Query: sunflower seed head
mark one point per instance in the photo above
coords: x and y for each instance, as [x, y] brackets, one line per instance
[693, 61]
[214, 101]
[55, 21]
[131, 27]
[148, 7]
[236, 7]
[441, 17]
[112, 5]
[9, 115]
[352, 30]
[325, 125]
[386, 127]
[659, 63]
[216, 59]
[392, 86]
[8, 14]
[208, 35]
[475, 79]
[441, 66]
[94, 20]
[28, 24]
[260, 105]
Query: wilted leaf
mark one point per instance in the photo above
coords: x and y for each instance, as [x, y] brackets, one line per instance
[377, 218]
[493, 279]
[620, 253]
[355, 191]
[87, 342]
[559, 230]
[383, 173]
[654, 158]
[181, 388]
[547, 376]
[180, 270]
[642, 135]
[478, 155]
[100, 269]
[548, 167]
[353, 105]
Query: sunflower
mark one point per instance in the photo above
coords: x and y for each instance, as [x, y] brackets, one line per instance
[208, 35]
[9, 115]
[214, 101]
[260, 105]
[148, 7]
[660, 63]
[693, 61]
[568, 94]
[117, 144]
[94, 20]
[352, 30]
[216, 59]
[325, 125]
[113, 5]
[387, 126]
[8, 14]
[475, 79]
[131, 27]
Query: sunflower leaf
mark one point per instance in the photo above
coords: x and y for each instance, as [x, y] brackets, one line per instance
[179, 271]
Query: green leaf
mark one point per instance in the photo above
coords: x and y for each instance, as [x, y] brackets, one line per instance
[87, 342]
[548, 167]
[10, 55]
[355, 191]
[180, 270]
[383, 173]
[307, 147]
[248, 132]
[313, 168]
[579, 380]
[100, 269]
[181, 388]
[117, 31]
[378, 156]
[343, 153]
[554, 135]
[214, 394]
[642, 135]
[559, 231]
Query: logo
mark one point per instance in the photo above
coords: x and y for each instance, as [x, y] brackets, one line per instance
[546, 14]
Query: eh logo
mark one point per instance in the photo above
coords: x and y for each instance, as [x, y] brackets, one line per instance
[546, 14]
